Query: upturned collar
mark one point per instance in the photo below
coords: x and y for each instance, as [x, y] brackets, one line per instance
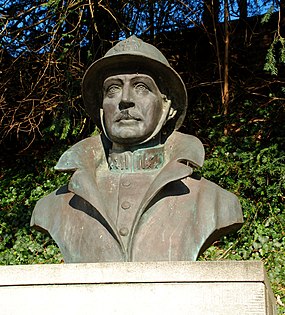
[89, 154]
[146, 159]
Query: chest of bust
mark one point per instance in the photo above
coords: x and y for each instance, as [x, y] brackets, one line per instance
[123, 194]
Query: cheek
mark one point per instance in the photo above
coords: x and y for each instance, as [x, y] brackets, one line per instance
[108, 119]
[153, 111]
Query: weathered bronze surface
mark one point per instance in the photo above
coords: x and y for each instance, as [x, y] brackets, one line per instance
[133, 195]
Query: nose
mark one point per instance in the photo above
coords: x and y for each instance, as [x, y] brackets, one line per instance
[126, 104]
[126, 100]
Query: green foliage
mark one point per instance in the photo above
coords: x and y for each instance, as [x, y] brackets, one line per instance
[276, 52]
[275, 55]
[53, 4]
[254, 170]
[20, 188]
[267, 15]
[63, 126]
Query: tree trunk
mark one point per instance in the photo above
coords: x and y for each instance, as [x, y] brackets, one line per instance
[210, 19]
[210, 14]
[281, 25]
[242, 5]
[225, 97]
[242, 23]
[151, 21]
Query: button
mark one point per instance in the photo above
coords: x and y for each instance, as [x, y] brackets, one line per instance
[124, 231]
[125, 205]
[126, 183]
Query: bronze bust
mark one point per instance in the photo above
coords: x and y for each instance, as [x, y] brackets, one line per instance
[133, 196]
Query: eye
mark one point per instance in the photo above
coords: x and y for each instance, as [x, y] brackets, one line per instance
[141, 87]
[113, 89]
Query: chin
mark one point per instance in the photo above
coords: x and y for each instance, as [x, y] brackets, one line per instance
[127, 140]
[127, 137]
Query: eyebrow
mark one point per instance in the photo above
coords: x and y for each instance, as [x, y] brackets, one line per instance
[111, 79]
[146, 80]
[142, 78]
[137, 77]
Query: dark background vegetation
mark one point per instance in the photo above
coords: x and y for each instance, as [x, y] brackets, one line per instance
[231, 55]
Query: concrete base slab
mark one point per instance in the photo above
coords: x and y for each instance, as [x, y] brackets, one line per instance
[225, 287]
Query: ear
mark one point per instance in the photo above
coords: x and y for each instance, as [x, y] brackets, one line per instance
[172, 112]
[169, 111]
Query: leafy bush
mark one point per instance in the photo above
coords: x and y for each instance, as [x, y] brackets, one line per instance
[258, 178]
[21, 187]
[255, 172]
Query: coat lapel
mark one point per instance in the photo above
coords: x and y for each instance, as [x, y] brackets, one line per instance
[171, 172]
[183, 153]
[85, 158]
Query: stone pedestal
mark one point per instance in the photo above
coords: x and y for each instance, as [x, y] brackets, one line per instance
[199, 288]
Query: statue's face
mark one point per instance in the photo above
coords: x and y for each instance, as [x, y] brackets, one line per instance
[132, 108]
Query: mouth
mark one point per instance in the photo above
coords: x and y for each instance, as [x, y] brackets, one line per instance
[127, 117]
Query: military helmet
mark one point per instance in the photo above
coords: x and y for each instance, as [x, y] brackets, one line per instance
[133, 55]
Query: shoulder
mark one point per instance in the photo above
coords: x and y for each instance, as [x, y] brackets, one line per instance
[224, 203]
[213, 200]
[217, 191]
[49, 209]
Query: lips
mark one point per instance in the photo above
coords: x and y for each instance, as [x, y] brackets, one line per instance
[125, 115]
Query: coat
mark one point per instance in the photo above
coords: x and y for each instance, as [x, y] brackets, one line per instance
[162, 214]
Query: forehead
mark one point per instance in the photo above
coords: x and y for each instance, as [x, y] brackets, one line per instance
[130, 77]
